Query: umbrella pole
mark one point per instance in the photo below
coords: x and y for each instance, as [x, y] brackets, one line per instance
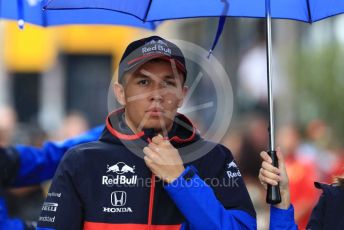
[273, 195]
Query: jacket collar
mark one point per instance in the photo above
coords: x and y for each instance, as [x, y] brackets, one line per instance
[116, 130]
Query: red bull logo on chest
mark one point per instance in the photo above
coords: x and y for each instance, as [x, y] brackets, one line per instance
[120, 168]
[123, 176]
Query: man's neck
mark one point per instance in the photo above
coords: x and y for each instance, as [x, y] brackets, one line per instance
[129, 124]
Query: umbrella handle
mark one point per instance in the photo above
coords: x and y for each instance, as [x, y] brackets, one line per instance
[273, 195]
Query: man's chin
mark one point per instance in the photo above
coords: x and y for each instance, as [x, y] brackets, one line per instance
[156, 126]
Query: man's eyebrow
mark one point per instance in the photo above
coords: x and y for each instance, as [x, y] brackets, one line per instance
[146, 74]
[140, 75]
[170, 77]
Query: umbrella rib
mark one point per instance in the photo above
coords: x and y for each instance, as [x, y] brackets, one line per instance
[309, 12]
[147, 11]
[44, 16]
[222, 21]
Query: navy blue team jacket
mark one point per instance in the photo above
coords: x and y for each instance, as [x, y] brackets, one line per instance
[106, 185]
[329, 212]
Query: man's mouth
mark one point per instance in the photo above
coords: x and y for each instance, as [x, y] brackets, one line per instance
[156, 111]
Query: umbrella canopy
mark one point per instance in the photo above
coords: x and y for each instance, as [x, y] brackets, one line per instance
[153, 10]
[31, 11]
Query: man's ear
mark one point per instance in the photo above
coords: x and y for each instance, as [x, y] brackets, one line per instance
[184, 92]
[119, 93]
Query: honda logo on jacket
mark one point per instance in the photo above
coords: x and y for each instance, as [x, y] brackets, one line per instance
[118, 198]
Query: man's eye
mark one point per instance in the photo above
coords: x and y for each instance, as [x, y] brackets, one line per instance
[169, 83]
[143, 82]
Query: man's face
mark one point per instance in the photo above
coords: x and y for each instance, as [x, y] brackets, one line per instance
[151, 96]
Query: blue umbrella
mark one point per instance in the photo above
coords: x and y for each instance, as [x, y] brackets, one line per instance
[157, 10]
[31, 11]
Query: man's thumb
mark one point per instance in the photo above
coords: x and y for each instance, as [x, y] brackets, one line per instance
[280, 156]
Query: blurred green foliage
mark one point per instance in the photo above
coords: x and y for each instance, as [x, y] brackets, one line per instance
[318, 79]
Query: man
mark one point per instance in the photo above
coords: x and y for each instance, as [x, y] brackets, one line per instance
[282, 214]
[328, 213]
[23, 165]
[134, 176]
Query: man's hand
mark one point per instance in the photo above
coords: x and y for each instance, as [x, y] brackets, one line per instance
[163, 159]
[268, 174]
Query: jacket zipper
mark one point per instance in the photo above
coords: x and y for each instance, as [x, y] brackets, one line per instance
[151, 202]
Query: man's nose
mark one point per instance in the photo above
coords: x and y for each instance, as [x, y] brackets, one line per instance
[157, 93]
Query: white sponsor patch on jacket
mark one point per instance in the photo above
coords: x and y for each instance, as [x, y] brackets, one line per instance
[233, 170]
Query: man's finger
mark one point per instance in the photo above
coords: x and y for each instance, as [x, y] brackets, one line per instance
[280, 157]
[150, 153]
[265, 156]
[165, 143]
[269, 181]
[270, 175]
[261, 180]
[266, 180]
[146, 150]
[269, 167]
[148, 160]
[154, 147]
[157, 139]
